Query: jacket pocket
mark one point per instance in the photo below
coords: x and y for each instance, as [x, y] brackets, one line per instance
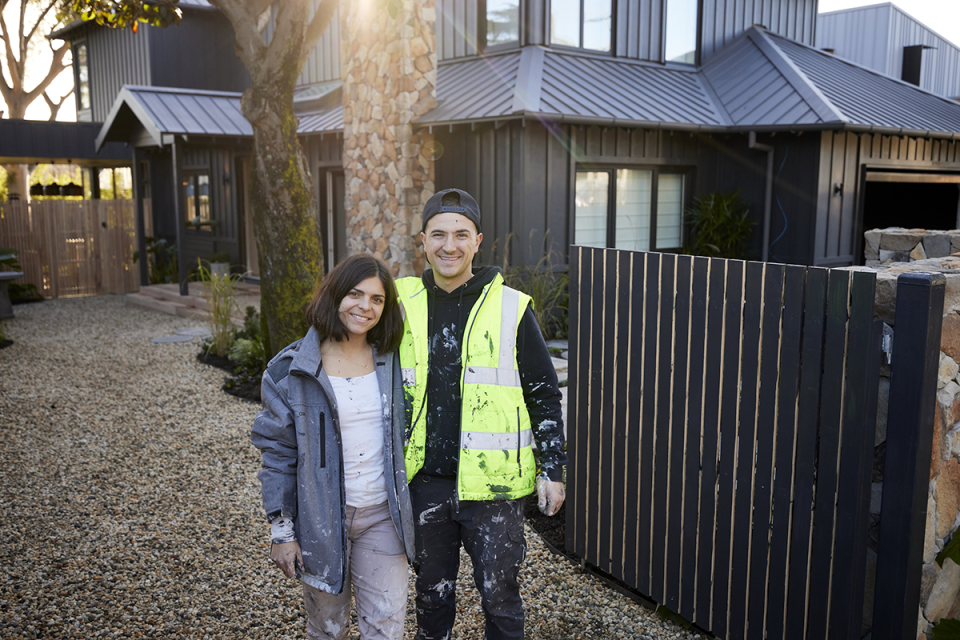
[323, 442]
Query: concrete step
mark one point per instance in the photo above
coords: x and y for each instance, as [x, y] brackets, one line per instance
[151, 303]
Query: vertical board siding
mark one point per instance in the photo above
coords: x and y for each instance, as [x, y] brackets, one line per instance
[457, 28]
[116, 57]
[875, 37]
[323, 63]
[730, 483]
[723, 20]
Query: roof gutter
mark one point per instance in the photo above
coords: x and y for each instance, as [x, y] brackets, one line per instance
[702, 128]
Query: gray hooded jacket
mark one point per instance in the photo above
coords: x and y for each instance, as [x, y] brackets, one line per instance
[298, 434]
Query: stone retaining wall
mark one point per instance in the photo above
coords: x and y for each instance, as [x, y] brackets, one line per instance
[940, 587]
[896, 244]
[389, 61]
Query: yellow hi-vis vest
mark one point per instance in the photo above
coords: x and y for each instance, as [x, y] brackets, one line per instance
[496, 459]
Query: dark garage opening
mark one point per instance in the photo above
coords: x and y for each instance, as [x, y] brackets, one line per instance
[914, 205]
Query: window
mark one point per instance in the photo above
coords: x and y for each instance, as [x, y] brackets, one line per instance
[585, 24]
[646, 214]
[83, 76]
[197, 200]
[680, 38]
[502, 22]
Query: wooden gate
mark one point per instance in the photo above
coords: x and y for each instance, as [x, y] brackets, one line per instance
[73, 247]
[722, 419]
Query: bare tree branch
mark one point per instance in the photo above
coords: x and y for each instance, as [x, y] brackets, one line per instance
[244, 16]
[12, 63]
[39, 21]
[55, 106]
[56, 66]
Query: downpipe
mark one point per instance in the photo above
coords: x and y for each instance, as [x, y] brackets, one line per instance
[768, 195]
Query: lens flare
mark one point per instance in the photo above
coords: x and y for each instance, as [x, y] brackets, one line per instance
[432, 150]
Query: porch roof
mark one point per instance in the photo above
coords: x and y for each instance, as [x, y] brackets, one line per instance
[162, 111]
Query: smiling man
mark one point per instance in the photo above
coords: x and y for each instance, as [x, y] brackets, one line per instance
[480, 388]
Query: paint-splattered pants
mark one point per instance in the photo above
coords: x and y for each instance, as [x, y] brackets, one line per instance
[377, 570]
[491, 533]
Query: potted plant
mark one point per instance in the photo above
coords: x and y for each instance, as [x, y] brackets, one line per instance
[220, 263]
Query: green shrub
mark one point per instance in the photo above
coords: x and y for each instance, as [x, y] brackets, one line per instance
[219, 256]
[218, 291]
[161, 261]
[946, 629]
[720, 226]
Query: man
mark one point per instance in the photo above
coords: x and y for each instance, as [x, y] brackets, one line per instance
[480, 388]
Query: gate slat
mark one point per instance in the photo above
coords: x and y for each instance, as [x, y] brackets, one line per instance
[580, 397]
[808, 408]
[645, 495]
[850, 542]
[745, 435]
[828, 450]
[711, 425]
[607, 467]
[730, 383]
[622, 354]
[678, 420]
[691, 485]
[662, 438]
[785, 448]
[573, 387]
[766, 428]
[594, 526]
[631, 513]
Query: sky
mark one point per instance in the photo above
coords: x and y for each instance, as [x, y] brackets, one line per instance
[941, 16]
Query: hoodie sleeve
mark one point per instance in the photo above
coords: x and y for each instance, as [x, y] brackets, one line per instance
[541, 395]
[274, 434]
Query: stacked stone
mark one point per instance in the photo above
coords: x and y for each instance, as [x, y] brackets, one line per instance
[940, 586]
[389, 79]
[896, 244]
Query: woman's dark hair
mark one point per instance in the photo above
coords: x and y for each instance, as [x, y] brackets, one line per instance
[323, 311]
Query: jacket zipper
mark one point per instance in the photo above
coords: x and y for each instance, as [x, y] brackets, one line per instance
[463, 366]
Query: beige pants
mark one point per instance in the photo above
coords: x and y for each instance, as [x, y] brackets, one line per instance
[377, 570]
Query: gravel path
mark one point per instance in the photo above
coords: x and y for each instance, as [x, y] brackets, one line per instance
[131, 507]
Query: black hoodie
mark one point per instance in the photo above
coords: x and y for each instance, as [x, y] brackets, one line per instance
[447, 315]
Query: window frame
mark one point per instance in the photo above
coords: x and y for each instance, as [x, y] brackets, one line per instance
[482, 46]
[188, 176]
[548, 20]
[686, 171]
[76, 76]
[698, 37]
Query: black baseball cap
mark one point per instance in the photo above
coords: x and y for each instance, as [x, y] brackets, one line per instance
[468, 206]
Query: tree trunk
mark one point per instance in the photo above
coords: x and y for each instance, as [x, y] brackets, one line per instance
[18, 176]
[282, 204]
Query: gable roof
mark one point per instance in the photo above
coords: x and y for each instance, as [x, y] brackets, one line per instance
[167, 110]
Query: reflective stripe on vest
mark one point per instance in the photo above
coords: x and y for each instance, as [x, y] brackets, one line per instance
[504, 375]
[479, 441]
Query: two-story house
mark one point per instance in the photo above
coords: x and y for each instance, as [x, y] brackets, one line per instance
[594, 123]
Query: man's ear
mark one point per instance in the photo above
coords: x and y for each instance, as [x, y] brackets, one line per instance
[479, 240]
[423, 238]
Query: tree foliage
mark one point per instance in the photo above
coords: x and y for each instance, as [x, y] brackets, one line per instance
[123, 15]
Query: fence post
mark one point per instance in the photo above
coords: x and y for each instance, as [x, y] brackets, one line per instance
[913, 389]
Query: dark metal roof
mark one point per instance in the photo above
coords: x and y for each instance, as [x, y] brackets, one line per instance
[476, 89]
[32, 141]
[165, 110]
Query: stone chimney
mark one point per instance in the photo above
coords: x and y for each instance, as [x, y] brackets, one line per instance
[389, 79]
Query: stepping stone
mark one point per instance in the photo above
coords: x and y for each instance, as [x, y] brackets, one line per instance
[559, 344]
[194, 332]
[565, 355]
[169, 339]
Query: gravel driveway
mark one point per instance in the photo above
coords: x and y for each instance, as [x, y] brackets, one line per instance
[131, 507]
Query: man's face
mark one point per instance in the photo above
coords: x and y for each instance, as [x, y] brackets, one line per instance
[450, 240]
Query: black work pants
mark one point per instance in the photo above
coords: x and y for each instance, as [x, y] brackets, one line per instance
[492, 535]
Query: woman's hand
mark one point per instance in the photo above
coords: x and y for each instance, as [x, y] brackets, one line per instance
[285, 555]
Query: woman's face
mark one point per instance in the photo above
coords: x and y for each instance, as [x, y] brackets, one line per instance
[360, 309]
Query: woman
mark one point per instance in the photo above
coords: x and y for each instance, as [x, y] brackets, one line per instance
[331, 435]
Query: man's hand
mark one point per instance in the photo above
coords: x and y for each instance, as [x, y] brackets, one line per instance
[550, 494]
[285, 554]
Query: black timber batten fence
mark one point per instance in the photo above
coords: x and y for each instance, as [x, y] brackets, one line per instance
[721, 437]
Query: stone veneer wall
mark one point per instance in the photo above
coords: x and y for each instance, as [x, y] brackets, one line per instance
[940, 588]
[389, 65]
[896, 244]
